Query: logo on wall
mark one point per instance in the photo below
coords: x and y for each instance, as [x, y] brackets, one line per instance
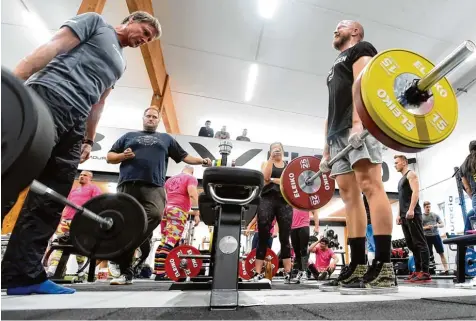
[240, 161]
[97, 139]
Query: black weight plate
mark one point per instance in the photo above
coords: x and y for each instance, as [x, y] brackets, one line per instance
[126, 234]
[28, 134]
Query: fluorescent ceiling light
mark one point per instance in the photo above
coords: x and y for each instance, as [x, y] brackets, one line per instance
[37, 27]
[251, 82]
[267, 8]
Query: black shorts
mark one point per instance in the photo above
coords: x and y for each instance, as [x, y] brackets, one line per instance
[435, 240]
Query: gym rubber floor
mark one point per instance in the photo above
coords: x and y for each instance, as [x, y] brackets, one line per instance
[152, 300]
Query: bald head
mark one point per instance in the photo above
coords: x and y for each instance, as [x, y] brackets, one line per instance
[188, 169]
[347, 34]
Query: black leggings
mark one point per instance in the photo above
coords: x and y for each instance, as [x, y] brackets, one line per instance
[272, 205]
[300, 240]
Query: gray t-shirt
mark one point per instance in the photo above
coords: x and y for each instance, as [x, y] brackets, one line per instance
[83, 74]
[431, 219]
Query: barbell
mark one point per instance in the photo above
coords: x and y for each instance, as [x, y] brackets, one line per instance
[105, 226]
[403, 100]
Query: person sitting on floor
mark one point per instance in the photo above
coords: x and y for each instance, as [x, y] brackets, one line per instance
[326, 260]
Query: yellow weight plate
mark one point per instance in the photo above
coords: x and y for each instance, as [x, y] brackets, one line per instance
[385, 78]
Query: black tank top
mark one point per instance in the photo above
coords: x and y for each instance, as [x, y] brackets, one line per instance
[272, 187]
[405, 196]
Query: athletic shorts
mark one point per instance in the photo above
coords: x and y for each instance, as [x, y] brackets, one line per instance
[435, 240]
[371, 150]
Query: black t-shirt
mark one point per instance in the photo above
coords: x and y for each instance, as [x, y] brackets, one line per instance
[339, 83]
[470, 177]
[152, 152]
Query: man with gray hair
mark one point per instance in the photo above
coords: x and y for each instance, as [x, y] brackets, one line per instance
[73, 73]
[182, 194]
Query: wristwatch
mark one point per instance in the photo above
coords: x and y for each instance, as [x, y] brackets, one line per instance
[88, 141]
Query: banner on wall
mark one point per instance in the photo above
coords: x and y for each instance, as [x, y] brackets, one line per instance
[247, 154]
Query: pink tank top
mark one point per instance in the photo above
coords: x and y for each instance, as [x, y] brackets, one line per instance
[300, 219]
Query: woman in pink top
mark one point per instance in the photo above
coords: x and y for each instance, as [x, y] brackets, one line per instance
[181, 192]
[300, 240]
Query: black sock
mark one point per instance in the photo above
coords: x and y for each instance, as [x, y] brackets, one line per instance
[357, 250]
[383, 248]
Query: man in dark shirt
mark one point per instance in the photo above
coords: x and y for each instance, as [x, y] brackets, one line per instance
[411, 220]
[144, 157]
[243, 136]
[206, 131]
[73, 73]
[359, 171]
[468, 173]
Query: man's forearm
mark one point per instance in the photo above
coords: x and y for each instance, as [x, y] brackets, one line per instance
[192, 160]
[114, 158]
[35, 61]
[414, 200]
[93, 120]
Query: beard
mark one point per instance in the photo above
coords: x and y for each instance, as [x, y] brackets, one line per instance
[340, 41]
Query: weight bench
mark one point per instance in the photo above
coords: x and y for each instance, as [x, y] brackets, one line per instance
[229, 193]
[462, 243]
[67, 250]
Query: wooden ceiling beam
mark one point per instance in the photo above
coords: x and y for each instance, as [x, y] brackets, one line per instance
[91, 6]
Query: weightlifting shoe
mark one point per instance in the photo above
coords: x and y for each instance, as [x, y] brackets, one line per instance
[259, 278]
[379, 279]
[122, 280]
[349, 273]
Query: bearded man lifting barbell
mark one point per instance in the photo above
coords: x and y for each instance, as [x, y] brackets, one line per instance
[360, 170]
[73, 73]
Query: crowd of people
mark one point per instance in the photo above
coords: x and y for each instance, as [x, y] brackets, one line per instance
[86, 44]
[207, 131]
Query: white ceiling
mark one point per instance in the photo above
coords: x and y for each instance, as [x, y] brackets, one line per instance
[210, 46]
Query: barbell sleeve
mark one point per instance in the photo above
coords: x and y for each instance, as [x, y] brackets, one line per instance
[334, 159]
[42, 189]
[453, 60]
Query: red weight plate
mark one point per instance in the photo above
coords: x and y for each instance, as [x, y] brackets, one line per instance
[251, 258]
[244, 275]
[179, 268]
[301, 196]
[372, 127]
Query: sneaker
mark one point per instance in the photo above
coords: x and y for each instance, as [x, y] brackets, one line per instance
[114, 270]
[122, 280]
[421, 277]
[444, 273]
[379, 279]
[349, 273]
[322, 276]
[411, 276]
[301, 277]
[259, 278]
[287, 278]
